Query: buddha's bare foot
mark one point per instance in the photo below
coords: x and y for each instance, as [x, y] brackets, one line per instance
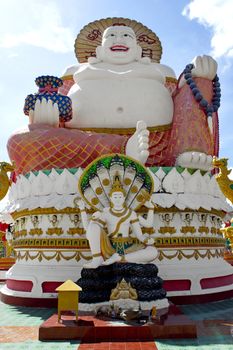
[195, 160]
[114, 258]
[138, 144]
[96, 262]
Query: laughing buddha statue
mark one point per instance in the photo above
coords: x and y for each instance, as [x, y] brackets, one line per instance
[124, 103]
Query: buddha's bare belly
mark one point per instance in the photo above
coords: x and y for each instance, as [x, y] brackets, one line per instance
[120, 103]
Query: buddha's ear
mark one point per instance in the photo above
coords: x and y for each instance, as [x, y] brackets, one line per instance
[99, 53]
[139, 53]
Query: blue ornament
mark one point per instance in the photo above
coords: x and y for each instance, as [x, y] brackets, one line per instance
[188, 75]
[189, 81]
[195, 91]
[48, 89]
[203, 103]
[209, 109]
[192, 86]
[215, 104]
[198, 97]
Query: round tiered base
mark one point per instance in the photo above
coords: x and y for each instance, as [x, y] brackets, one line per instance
[50, 243]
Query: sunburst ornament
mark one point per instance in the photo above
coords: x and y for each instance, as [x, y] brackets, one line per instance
[98, 179]
[91, 36]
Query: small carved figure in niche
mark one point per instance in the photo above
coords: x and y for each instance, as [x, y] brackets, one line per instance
[23, 221]
[214, 223]
[55, 220]
[75, 220]
[35, 221]
[202, 217]
[167, 218]
[187, 218]
[17, 224]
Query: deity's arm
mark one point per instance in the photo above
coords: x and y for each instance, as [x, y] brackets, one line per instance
[98, 218]
[136, 228]
[148, 222]
[82, 208]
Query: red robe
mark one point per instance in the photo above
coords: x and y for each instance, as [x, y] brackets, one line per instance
[43, 147]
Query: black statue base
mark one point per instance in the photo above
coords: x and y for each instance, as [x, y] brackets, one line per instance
[98, 283]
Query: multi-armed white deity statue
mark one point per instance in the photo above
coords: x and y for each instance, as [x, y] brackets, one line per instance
[109, 231]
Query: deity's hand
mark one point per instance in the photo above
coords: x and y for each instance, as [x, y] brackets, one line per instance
[96, 215]
[79, 203]
[149, 241]
[45, 112]
[138, 144]
[204, 67]
[195, 160]
[149, 204]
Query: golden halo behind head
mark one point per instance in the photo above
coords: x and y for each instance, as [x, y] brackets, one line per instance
[91, 36]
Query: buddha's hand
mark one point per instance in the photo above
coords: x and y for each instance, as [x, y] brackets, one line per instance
[137, 146]
[195, 160]
[204, 67]
[45, 112]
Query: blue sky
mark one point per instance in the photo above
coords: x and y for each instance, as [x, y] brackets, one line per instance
[37, 37]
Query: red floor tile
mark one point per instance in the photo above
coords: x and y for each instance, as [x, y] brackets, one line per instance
[148, 346]
[119, 346]
[12, 334]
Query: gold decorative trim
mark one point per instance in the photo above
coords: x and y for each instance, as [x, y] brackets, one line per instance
[52, 243]
[97, 255]
[164, 242]
[21, 233]
[35, 231]
[67, 77]
[188, 229]
[167, 229]
[126, 131]
[55, 231]
[171, 80]
[77, 255]
[149, 230]
[182, 254]
[189, 241]
[58, 255]
[203, 229]
[75, 231]
[215, 231]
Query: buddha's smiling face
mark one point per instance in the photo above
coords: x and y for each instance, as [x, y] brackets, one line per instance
[119, 46]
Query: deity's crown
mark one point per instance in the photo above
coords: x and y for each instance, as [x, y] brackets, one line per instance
[117, 186]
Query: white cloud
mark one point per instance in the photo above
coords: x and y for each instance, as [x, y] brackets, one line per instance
[217, 15]
[42, 27]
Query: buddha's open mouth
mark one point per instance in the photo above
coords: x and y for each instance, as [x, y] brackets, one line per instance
[119, 48]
